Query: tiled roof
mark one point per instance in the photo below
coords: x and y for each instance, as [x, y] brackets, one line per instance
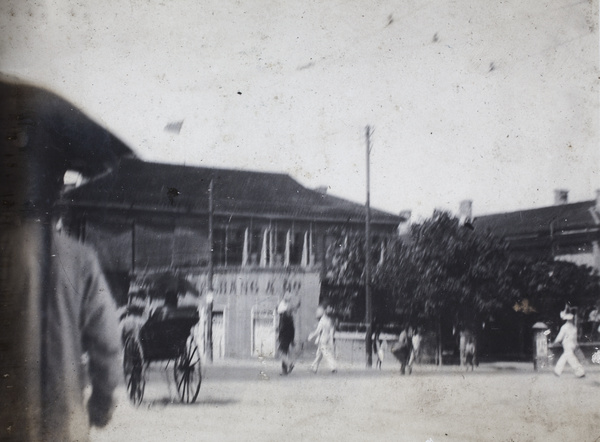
[556, 219]
[155, 186]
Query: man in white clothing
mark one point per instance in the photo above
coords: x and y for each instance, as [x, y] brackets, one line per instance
[415, 353]
[324, 335]
[567, 336]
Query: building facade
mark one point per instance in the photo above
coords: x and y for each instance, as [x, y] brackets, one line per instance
[270, 236]
[563, 231]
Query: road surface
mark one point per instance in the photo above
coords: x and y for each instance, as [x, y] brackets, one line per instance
[249, 401]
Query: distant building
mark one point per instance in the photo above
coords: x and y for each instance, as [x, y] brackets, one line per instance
[270, 236]
[564, 231]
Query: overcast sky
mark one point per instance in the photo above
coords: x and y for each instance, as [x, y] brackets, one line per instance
[494, 101]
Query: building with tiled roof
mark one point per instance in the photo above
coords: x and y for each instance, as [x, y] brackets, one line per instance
[271, 236]
[156, 203]
[145, 186]
[568, 231]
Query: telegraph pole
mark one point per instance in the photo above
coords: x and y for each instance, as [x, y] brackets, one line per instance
[209, 294]
[368, 300]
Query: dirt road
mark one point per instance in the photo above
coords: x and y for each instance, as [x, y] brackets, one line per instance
[249, 401]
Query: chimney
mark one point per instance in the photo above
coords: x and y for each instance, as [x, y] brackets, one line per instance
[465, 210]
[406, 214]
[404, 226]
[561, 196]
[465, 214]
[321, 189]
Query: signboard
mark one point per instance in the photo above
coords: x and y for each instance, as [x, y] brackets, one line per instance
[242, 294]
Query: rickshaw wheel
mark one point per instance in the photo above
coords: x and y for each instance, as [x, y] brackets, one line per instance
[188, 372]
[133, 368]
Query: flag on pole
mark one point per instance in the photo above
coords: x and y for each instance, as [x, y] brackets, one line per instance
[174, 126]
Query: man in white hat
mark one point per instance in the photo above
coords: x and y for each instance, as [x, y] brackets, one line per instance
[567, 336]
[286, 332]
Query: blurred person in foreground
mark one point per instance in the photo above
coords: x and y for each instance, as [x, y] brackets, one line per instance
[56, 304]
[567, 336]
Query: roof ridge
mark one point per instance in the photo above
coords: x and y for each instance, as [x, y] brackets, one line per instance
[225, 169]
[138, 182]
[552, 206]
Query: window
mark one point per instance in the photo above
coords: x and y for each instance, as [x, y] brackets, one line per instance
[297, 243]
[235, 246]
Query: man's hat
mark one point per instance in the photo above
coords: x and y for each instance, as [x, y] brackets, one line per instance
[283, 306]
[43, 136]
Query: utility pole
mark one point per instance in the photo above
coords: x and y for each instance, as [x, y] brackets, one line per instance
[209, 294]
[368, 300]
[133, 249]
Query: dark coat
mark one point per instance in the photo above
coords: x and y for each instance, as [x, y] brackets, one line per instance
[286, 331]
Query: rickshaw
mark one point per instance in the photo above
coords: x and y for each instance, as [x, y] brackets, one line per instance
[156, 329]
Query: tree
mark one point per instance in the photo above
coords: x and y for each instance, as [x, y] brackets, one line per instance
[442, 269]
[448, 275]
[449, 270]
[343, 285]
[546, 286]
[344, 282]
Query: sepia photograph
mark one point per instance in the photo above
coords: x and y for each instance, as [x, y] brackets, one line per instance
[260, 220]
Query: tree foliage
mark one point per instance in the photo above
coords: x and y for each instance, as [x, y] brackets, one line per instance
[346, 255]
[545, 286]
[450, 271]
[445, 270]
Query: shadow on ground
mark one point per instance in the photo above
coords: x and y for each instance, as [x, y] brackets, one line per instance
[206, 401]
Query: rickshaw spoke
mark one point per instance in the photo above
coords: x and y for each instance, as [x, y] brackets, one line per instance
[193, 354]
[187, 389]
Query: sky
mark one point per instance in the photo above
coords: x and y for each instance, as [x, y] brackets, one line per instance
[492, 101]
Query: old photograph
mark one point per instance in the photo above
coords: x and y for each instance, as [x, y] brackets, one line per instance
[260, 220]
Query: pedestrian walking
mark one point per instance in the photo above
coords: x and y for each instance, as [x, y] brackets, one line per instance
[286, 333]
[468, 336]
[567, 336]
[324, 336]
[415, 353]
[56, 303]
[379, 346]
[470, 353]
[401, 350]
[594, 320]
